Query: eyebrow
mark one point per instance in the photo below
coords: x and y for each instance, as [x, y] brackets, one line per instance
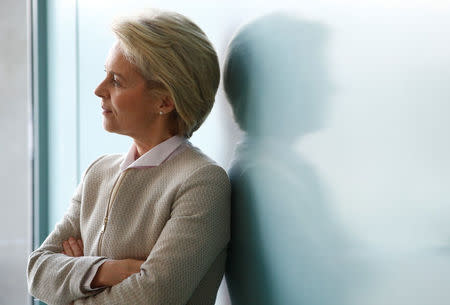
[116, 73]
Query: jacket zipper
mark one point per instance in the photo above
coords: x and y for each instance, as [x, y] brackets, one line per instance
[108, 208]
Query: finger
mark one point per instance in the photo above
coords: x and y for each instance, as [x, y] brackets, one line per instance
[75, 248]
[67, 248]
[80, 244]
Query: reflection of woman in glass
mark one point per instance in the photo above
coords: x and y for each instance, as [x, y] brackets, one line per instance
[287, 245]
[152, 226]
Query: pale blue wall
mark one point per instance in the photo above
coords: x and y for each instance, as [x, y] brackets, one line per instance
[347, 202]
[62, 107]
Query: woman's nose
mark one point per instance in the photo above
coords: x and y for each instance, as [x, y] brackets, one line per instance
[101, 91]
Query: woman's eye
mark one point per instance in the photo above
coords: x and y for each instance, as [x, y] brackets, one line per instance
[115, 82]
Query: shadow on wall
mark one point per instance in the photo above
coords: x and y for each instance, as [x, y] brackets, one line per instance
[287, 247]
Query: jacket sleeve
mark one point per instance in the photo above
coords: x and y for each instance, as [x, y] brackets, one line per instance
[197, 231]
[52, 276]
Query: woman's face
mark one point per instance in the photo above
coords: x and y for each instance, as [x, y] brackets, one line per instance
[128, 106]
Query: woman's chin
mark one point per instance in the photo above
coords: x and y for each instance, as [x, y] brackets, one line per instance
[107, 127]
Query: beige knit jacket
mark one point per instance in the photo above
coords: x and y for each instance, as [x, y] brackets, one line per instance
[175, 216]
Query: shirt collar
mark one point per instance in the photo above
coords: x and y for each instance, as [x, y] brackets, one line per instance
[153, 157]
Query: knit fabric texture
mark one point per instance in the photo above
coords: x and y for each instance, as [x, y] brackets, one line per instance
[175, 216]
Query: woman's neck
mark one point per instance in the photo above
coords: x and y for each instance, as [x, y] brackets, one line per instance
[144, 145]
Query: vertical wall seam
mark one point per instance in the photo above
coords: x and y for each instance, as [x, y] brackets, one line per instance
[34, 154]
[40, 121]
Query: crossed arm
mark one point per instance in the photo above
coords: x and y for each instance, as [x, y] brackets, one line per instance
[111, 272]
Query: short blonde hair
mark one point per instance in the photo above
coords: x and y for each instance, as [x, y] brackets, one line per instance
[170, 49]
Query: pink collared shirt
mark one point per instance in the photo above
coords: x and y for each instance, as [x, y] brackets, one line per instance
[154, 157]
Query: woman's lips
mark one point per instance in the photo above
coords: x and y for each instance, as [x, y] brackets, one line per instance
[106, 111]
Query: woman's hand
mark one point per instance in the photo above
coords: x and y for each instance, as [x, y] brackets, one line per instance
[112, 272]
[73, 247]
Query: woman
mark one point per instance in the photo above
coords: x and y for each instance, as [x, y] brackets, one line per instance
[151, 227]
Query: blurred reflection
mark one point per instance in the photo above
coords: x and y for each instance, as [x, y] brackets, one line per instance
[287, 247]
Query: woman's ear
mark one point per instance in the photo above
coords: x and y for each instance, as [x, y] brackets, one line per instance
[166, 105]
